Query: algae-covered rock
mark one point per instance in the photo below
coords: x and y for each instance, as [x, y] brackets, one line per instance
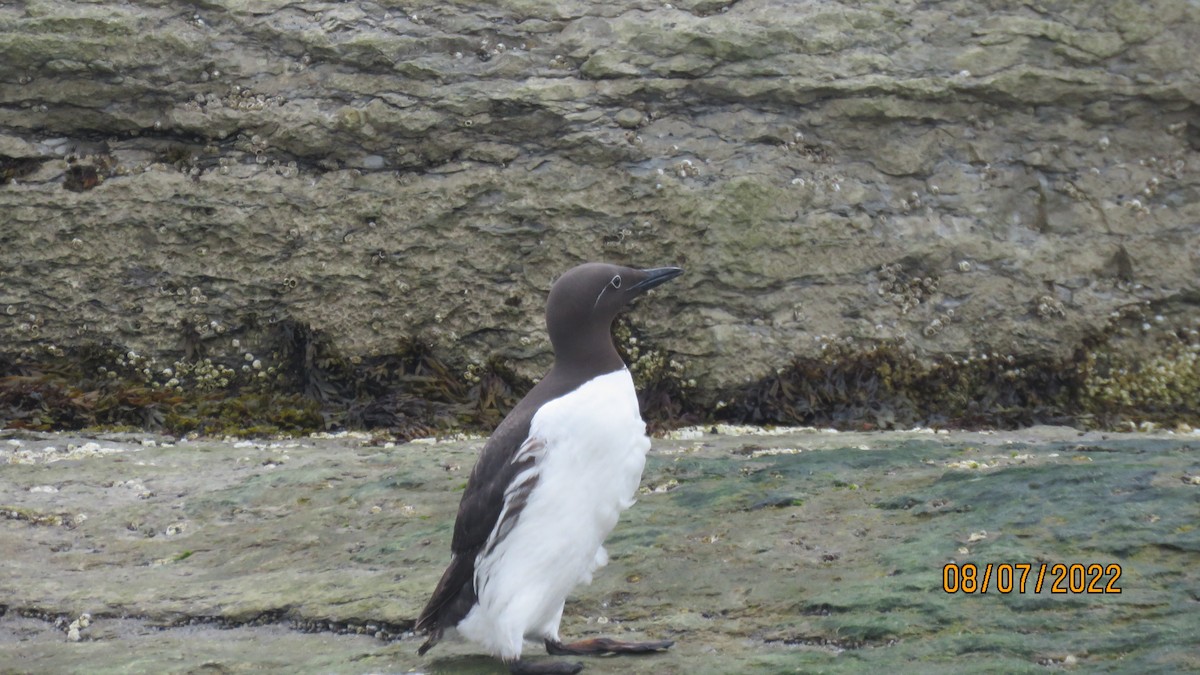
[761, 550]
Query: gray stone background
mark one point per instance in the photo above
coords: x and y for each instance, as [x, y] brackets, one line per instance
[959, 175]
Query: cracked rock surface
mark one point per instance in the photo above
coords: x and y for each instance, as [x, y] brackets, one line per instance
[380, 171]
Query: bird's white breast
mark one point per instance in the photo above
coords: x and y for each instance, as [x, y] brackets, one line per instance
[596, 449]
[588, 470]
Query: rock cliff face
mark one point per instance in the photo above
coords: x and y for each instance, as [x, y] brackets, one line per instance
[956, 176]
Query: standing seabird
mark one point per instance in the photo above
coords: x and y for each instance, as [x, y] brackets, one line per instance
[550, 484]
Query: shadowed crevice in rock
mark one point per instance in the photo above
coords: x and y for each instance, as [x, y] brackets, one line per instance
[284, 617]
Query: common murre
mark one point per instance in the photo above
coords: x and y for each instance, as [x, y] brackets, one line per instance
[549, 484]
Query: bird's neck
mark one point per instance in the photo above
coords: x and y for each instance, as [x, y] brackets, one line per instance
[582, 360]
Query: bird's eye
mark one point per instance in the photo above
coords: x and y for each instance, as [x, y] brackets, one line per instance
[616, 281]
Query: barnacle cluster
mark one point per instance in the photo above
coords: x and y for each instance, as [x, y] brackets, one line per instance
[1166, 381]
[618, 238]
[933, 327]
[912, 202]
[662, 382]
[194, 295]
[254, 144]
[627, 235]
[1138, 206]
[686, 169]
[648, 365]
[32, 324]
[1071, 190]
[238, 97]
[1049, 307]
[73, 630]
[820, 182]
[97, 386]
[202, 375]
[813, 152]
[488, 50]
[1172, 166]
[185, 158]
[473, 373]
[1147, 179]
[903, 289]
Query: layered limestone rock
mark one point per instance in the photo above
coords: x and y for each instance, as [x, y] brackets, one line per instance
[959, 175]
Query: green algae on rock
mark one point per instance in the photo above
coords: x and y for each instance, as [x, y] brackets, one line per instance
[315, 553]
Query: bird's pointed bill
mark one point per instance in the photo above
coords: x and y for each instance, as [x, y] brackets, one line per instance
[656, 277]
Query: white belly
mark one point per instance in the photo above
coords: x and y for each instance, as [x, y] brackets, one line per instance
[595, 449]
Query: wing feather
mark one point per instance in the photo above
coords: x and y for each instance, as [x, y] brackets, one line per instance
[492, 483]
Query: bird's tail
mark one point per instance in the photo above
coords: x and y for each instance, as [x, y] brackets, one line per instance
[451, 600]
[434, 636]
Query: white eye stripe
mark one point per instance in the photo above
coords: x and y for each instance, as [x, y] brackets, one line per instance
[615, 283]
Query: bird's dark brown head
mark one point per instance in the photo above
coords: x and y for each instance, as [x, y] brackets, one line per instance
[586, 299]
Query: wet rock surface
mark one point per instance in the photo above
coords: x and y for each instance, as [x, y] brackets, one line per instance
[956, 175]
[755, 551]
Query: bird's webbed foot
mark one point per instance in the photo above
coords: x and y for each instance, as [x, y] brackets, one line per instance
[597, 646]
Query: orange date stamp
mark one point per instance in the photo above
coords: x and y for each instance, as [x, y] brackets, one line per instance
[1075, 578]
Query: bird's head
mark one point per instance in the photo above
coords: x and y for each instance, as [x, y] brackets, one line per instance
[586, 299]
